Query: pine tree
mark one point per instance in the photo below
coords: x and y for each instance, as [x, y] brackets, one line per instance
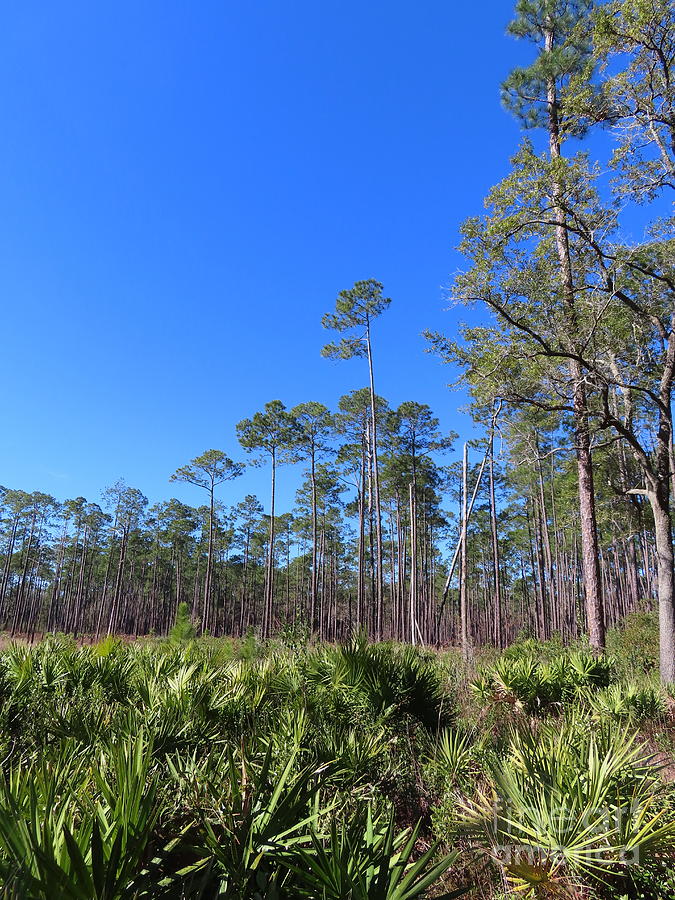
[355, 310]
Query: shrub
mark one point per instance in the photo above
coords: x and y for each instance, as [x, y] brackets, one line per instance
[635, 643]
[183, 629]
[533, 686]
[631, 702]
[569, 801]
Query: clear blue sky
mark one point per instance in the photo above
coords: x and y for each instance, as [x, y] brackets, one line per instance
[186, 187]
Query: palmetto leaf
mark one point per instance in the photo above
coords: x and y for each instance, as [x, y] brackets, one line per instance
[568, 801]
[76, 833]
[366, 859]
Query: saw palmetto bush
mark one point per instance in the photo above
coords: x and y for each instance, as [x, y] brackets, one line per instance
[569, 801]
[204, 769]
[179, 769]
[368, 859]
[382, 679]
[630, 701]
[534, 686]
[455, 757]
[76, 827]
[249, 811]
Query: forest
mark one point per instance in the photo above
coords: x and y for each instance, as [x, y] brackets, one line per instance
[449, 668]
[564, 528]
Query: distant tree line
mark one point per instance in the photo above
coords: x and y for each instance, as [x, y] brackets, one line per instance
[123, 566]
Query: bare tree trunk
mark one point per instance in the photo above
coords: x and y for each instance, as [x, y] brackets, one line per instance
[269, 579]
[8, 563]
[499, 635]
[206, 603]
[463, 600]
[313, 619]
[413, 567]
[660, 501]
[379, 581]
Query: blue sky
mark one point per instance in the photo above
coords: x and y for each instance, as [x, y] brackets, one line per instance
[185, 187]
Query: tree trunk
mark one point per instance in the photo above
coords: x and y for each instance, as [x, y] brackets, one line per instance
[499, 639]
[269, 580]
[206, 607]
[660, 503]
[589, 534]
[313, 620]
[379, 582]
[463, 601]
[413, 566]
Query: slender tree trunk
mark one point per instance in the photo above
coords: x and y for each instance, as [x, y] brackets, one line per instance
[589, 533]
[77, 623]
[379, 582]
[660, 501]
[313, 620]
[269, 580]
[499, 637]
[117, 593]
[413, 567]
[18, 609]
[106, 579]
[8, 564]
[463, 600]
[56, 586]
[361, 584]
[206, 605]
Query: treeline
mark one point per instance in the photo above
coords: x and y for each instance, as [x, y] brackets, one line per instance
[123, 566]
[560, 516]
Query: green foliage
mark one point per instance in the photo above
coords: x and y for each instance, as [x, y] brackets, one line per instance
[368, 860]
[454, 758]
[634, 42]
[211, 468]
[183, 629]
[634, 644]
[569, 800]
[553, 26]
[258, 812]
[79, 832]
[386, 678]
[184, 768]
[533, 686]
[354, 311]
[653, 881]
[272, 432]
[630, 702]
[203, 768]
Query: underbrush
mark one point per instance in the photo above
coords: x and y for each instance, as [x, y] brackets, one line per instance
[210, 768]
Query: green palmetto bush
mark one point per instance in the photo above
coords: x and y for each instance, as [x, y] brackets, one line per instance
[367, 859]
[249, 812]
[588, 670]
[78, 831]
[533, 686]
[383, 679]
[20, 666]
[630, 701]
[358, 755]
[453, 756]
[569, 802]
[190, 770]
[114, 673]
